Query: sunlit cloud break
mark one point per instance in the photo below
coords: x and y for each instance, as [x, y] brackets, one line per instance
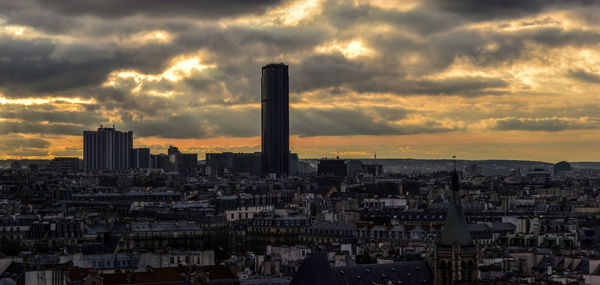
[403, 78]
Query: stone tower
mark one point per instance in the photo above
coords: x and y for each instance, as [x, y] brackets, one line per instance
[455, 259]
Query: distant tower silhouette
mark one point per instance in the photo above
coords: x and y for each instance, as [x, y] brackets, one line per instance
[275, 122]
[455, 259]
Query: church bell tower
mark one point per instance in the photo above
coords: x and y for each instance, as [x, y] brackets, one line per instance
[455, 259]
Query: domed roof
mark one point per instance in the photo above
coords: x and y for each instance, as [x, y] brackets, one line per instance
[562, 166]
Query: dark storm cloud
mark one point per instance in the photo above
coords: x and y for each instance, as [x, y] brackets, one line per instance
[27, 13]
[180, 126]
[493, 9]
[421, 22]
[241, 51]
[582, 75]
[20, 141]
[238, 122]
[203, 123]
[342, 122]
[589, 15]
[30, 67]
[46, 119]
[345, 14]
[462, 86]
[25, 152]
[9, 127]
[279, 40]
[383, 73]
[48, 66]
[222, 88]
[44, 66]
[35, 115]
[555, 37]
[545, 124]
[245, 122]
[67, 151]
[387, 113]
[70, 15]
[334, 70]
[508, 46]
[445, 48]
[158, 8]
[141, 104]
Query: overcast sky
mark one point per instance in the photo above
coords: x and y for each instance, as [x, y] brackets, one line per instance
[514, 79]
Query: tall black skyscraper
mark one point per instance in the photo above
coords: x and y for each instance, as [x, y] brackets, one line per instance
[275, 96]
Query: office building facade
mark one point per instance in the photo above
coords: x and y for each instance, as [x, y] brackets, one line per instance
[186, 163]
[332, 167]
[140, 158]
[65, 164]
[217, 163]
[159, 161]
[107, 149]
[275, 119]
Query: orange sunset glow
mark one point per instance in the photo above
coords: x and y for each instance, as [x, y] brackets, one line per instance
[400, 79]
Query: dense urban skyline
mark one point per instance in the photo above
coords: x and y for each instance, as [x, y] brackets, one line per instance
[299, 142]
[417, 79]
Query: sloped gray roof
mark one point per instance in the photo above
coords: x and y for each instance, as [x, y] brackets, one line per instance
[478, 227]
[315, 270]
[456, 229]
[409, 272]
[502, 227]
